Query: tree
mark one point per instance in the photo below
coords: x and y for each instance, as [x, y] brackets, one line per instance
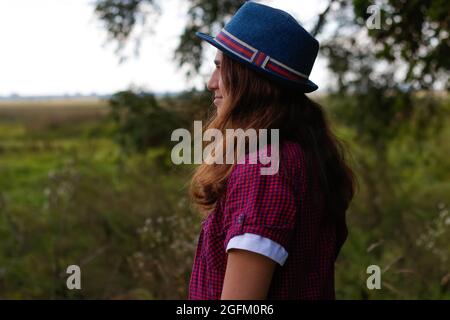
[120, 17]
[141, 122]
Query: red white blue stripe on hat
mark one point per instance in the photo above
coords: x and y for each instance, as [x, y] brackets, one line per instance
[256, 57]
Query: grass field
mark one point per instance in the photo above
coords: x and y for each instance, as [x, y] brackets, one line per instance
[67, 196]
[40, 136]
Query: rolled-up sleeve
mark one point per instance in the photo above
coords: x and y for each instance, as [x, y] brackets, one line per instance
[261, 245]
[261, 205]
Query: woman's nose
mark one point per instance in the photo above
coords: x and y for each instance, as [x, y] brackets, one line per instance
[213, 83]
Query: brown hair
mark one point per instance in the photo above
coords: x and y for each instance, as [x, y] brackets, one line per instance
[254, 101]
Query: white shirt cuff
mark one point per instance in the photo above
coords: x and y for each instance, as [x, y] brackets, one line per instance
[262, 245]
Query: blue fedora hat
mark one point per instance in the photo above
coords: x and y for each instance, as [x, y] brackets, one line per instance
[269, 41]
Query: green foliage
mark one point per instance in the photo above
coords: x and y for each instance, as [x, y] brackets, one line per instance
[80, 202]
[399, 219]
[120, 17]
[141, 122]
[380, 115]
[415, 32]
[100, 222]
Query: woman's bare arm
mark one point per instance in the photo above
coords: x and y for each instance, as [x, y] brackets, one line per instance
[248, 276]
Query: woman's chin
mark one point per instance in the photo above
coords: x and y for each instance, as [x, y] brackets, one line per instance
[218, 102]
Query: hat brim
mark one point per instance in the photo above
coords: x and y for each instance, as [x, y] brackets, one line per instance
[306, 86]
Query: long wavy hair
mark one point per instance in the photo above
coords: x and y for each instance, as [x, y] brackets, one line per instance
[254, 101]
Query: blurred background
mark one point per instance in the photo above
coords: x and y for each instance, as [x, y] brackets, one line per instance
[90, 92]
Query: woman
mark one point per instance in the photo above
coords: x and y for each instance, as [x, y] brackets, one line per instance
[270, 236]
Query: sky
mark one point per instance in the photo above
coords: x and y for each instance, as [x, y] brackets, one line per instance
[56, 47]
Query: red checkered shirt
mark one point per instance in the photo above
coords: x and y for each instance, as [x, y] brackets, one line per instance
[279, 207]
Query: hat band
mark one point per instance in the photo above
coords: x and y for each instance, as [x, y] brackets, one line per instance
[256, 57]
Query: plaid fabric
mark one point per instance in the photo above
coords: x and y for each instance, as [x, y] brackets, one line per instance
[280, 207]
